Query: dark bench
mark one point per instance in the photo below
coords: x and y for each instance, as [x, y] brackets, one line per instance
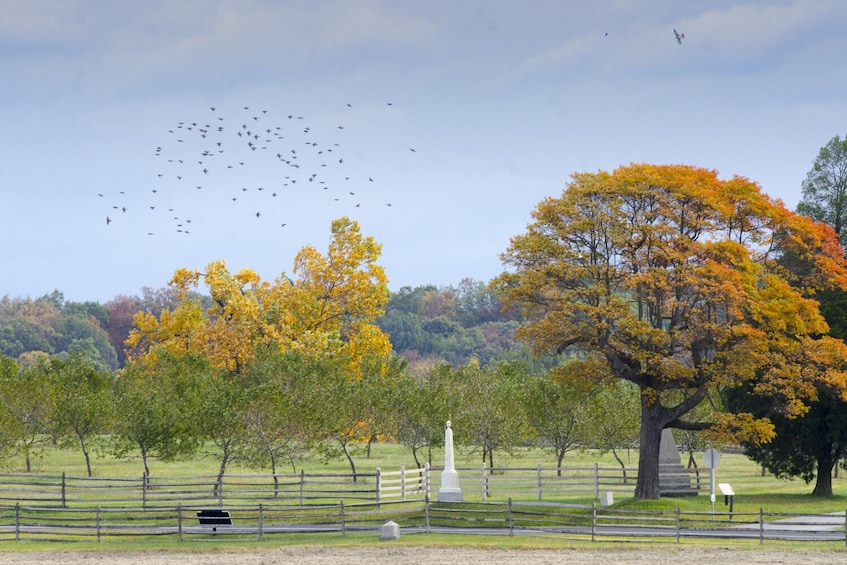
[214, 518]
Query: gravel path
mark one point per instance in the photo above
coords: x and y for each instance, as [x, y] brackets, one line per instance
[425, 555]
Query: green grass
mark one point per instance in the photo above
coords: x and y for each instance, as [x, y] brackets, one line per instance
[325, 540]
[753, 491]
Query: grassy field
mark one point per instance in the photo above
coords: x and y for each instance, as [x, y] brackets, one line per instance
[753, 490]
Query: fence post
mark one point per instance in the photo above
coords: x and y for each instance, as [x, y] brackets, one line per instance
[511, 519]
[221, 492]
[484, 483]
[144, 491]
[17, 521]
[596, 481]
[302, 480]
[678, 524]
[179, 521]
[426, 481]
[403, 483]
[426, 514]
[261, 521]
[64, 491]
[539, 482]
[378, 485]
[593, 520]
[343, 523]
[98, 522]
[761, 526]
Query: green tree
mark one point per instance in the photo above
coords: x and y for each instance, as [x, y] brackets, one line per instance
[343, 425]
[221, 416]
[419, 409]
[83, 402]
[556, 409]
[280, 409]
[614, 419]
[155, 409]
[825, 187]
[671, 275]
[491, 408]
[809, 444]
[8, 423]
[30, 402]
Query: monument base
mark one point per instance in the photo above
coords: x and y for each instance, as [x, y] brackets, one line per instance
[674, 480]
[450, 495]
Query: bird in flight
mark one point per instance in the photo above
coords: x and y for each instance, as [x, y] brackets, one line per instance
[679, 36]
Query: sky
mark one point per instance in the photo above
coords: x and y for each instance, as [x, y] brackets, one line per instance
[437, 125]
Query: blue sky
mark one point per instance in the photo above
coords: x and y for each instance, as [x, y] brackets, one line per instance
[501, 101]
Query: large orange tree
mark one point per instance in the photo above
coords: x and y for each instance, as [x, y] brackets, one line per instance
[669, 276]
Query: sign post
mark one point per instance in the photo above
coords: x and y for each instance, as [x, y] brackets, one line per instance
[712, 457]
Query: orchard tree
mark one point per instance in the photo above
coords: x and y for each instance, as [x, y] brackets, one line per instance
[29, 401]
[557, 408]
[280, 410]
[419, 410]
[221, 417]
[156, 409]
[83, 402]
[491, 407]
[614, 419]
[8, 438]
[671, 275]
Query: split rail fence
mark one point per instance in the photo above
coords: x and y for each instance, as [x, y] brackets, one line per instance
[525, 483]
[559, 520]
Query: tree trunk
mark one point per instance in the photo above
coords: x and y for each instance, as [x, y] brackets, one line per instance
[219, 483]
[622, 464]
[146, 464]
[647, 485]
[85, 453]
[559, 458]
[350, 460]
[823, 482]
[276, 477]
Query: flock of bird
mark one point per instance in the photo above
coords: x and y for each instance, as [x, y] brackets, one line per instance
[217, 157]
[251, 162]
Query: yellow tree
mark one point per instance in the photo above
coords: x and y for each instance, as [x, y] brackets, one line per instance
[328, 308]
[671, 275]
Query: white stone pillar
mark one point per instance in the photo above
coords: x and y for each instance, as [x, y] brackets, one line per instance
[449, 491]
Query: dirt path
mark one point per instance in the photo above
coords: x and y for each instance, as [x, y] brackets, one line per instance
[424, 555]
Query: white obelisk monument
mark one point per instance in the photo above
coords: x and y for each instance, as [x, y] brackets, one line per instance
[449, 491]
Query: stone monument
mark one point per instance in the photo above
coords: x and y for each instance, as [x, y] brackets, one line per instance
[449, 491]
[673, 479]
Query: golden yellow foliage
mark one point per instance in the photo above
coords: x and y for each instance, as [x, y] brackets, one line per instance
[329, 309]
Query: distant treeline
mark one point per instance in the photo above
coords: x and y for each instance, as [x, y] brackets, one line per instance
[427, 325]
